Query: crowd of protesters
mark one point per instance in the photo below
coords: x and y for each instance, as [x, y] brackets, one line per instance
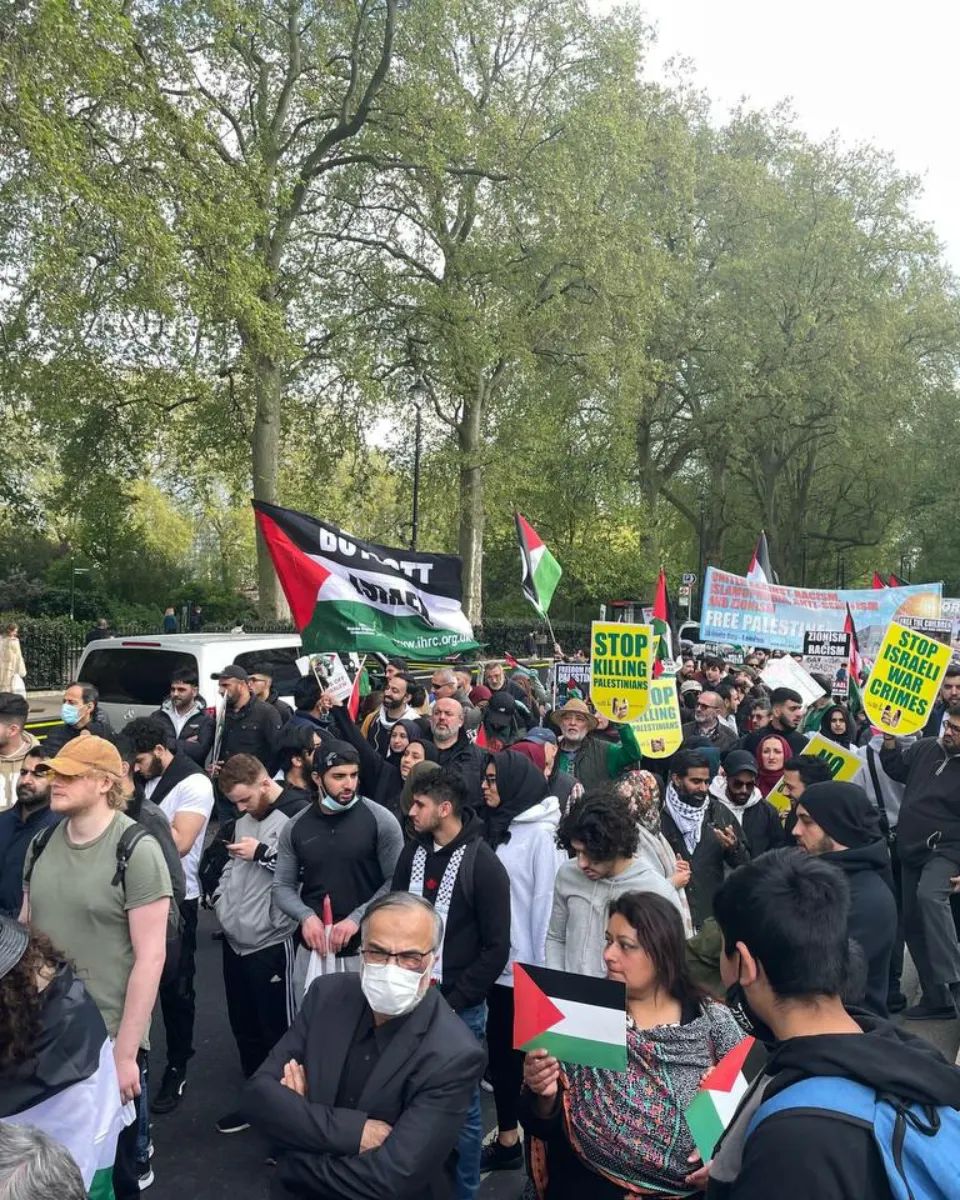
[376, 877]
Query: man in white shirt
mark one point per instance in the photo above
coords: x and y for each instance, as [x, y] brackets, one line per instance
[184, 793]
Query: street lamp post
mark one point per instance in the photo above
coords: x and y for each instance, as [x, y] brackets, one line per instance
[417, 395]
[74, 572]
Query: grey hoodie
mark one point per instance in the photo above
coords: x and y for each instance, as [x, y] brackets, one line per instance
[575, 936]
[244, 904]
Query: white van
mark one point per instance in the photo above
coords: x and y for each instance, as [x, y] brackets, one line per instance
[132, 674]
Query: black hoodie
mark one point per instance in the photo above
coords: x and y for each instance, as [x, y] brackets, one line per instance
[873, 913]
[929, 815]
[806, 1156]
[476, 936]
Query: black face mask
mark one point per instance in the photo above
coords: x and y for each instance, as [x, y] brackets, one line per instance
[745, 1017]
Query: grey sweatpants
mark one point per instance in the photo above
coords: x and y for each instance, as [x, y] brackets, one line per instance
[928, 926]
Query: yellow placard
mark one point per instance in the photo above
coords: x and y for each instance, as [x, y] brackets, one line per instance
[621, 663]
[905, 680]
[842, 763]
[658, 730]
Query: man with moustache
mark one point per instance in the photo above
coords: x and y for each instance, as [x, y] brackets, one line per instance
[20, 824]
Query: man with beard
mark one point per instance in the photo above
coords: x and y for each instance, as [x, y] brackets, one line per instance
[18, 826]
[737, 790]
[700, 830]
[396, 706]
[837, 821]
[592, 761]
[182, 791]
[455, 751]
[949, 694]
[343, 846]
[261, 684]
[15, 744]
[185, 711]
[928, 843]
[707, 714]
[250, 726]
[786, 711]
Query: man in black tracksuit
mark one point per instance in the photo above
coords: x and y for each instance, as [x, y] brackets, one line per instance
[837, 821]
[785, 960]
[450, 865]
[928, 843]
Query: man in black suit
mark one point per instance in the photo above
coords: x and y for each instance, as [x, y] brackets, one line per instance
[366, 1094]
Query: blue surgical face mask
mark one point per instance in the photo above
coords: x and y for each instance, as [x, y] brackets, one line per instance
[334, 806]
[69, 714]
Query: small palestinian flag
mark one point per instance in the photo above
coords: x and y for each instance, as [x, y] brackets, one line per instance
[760, 569]
[577, 1018]
[661, 627]
[541, 571]
[896, 581]
[721, 1091]
[854, 666]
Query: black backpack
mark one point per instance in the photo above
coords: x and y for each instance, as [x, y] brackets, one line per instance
[129, 840]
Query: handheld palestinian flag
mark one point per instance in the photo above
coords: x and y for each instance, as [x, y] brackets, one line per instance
[576, 1018]
[661, 627]
[854, 666]
[760, 569]
[349, 595]
[721, 1091]
[541, 571]
[72, 1094]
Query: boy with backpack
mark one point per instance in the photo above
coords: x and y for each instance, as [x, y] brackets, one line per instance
[847, 1107]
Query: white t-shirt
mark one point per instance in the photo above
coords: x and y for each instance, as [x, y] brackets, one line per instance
[194, 794]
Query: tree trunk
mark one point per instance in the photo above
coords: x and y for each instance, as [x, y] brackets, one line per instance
[266, 454]
[471, 507]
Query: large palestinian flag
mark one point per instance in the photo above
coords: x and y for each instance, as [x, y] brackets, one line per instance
[541, 571]
[349, 595]
[577, 1018]
[71, 1091]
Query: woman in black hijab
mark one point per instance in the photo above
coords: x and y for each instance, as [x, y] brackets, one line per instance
[380, 778]
[837, 725]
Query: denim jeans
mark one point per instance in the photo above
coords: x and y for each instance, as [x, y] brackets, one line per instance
[470, 1142]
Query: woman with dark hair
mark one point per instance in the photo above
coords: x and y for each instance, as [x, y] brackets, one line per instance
[609, 1134]
[520, 817]
[56, 1062]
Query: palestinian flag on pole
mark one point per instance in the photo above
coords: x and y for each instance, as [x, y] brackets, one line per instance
[896, 581]
[854, 666]
[661, 627]
[877, 582]
[348, 595]
[577, 1018]
[721, 1090]
[760, 570]
[540, 570]
[72, 1092]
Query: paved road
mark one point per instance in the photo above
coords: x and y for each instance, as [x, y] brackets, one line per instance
[192, 1160]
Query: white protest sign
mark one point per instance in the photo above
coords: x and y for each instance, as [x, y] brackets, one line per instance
[787, 672]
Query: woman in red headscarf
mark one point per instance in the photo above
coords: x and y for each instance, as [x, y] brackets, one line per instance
[771, 754]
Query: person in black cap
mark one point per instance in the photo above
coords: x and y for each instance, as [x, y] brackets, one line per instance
[250, 726]
[501, 722]
[343, 846]
[736, 789]
[837, 821]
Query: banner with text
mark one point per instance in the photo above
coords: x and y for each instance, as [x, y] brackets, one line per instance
[827, 652]
[658, 730]
[767, 614]
[621, 665]
[905, 680]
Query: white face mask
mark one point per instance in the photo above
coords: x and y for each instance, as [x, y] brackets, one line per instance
[390, 990]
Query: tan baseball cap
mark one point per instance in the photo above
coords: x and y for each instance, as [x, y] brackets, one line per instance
[87, 753]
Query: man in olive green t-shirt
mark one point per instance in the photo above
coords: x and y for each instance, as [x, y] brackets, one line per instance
[114, 933]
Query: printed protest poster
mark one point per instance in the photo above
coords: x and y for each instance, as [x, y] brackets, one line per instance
[787, 672]
[658, 730]
[940, 629]
[843, 764]
[950, 611]
[827, 652]
[621, 668]
[905, 680]
[565, 674]
[741, 611]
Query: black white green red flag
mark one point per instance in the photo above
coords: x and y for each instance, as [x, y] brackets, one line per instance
[854, 666]
[349, 595]
[576, 1018]
[541, 571]
[663, 654]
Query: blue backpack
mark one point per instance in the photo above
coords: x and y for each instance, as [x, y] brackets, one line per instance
[919, 1145]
